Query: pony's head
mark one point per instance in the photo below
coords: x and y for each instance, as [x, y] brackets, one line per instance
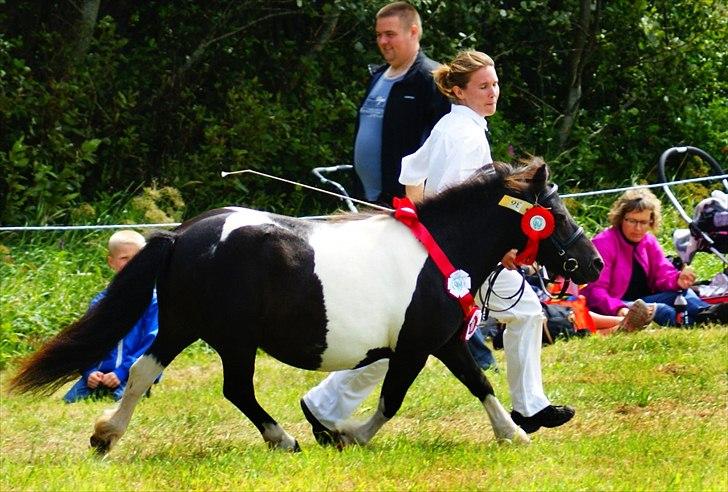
[554, 239]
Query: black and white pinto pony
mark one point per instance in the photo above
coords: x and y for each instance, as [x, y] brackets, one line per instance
[318, 295]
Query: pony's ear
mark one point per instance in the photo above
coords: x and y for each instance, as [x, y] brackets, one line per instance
[539, 178]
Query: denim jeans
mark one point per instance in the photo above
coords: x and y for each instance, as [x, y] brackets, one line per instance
[665, 312]
[480, 352]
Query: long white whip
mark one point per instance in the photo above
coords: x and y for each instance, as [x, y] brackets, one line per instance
[296, 183]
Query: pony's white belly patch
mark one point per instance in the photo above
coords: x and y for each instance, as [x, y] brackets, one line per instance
[242, 217]
[368, 269]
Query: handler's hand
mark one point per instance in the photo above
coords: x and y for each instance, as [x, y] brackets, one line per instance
[416, 193]
[686, 278]
[110, 380]
[94, 379]
[509, 260]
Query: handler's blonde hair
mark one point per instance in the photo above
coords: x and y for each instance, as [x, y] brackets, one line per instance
[459, 70]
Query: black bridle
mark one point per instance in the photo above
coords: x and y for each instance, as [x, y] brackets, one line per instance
[570, 264]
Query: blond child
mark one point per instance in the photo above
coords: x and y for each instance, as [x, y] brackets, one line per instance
[110, 375]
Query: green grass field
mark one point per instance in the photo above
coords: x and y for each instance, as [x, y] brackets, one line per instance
[651, 415]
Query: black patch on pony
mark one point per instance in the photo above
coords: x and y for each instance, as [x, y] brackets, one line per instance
[374, 355]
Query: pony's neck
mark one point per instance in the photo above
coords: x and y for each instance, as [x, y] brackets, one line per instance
[473, 230]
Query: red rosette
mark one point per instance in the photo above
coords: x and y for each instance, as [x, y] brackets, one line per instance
[537, 224]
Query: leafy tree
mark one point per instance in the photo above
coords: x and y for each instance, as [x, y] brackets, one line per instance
[173, 92]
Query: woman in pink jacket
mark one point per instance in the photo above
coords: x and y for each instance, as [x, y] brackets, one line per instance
[635, 266]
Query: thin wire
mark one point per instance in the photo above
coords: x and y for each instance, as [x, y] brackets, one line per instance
[635, 187]
[87, 227]
[175, 224]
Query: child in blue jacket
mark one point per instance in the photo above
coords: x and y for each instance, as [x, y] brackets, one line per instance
[110, 375]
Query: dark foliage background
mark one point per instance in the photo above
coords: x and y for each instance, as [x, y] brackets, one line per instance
[100, 97]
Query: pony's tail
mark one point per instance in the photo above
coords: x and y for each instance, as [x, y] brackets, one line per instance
[89, 339]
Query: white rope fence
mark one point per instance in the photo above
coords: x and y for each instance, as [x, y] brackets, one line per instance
[50, 228]
[657, 185]
[87, 227]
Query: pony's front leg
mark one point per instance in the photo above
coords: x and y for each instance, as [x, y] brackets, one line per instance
[456, 357]
[113, 423]
[403, 369]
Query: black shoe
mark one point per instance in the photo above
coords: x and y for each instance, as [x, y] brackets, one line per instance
[551, 416]
[716, 313]
[323, 435]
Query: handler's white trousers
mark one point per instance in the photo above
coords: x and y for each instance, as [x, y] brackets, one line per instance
[336, 397]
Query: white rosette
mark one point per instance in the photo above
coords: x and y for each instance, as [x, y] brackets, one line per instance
[458, 284]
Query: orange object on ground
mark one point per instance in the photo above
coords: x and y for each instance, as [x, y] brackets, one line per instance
[577, 303]
[582, 318]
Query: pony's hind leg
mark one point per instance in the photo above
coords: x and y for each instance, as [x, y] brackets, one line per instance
[456, 357]
[111, 425]
[238, 369]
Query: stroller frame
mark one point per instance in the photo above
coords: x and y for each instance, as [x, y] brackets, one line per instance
[695, 230]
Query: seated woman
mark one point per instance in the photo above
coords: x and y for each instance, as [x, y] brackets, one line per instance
[635, 266]
[637, 317]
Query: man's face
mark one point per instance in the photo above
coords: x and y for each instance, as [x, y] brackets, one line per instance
[397, 44]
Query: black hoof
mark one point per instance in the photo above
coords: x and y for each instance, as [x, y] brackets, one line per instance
[100, 446]
[296, 448]
[338, 441]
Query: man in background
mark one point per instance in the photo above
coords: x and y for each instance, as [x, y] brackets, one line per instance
[401, 104]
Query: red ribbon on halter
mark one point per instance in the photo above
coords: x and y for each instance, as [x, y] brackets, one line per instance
[457, 282]
[537, 223]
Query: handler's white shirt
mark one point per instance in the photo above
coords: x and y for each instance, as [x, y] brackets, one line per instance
[455, 149]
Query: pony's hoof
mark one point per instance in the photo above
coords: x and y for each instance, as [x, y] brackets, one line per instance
[343, 439]
[100, 446]
[339, 441]
[290, 447]
[520, 437]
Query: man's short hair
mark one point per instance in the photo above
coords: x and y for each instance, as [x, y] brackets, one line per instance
[406, 12]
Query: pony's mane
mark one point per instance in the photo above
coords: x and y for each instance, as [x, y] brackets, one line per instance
[497, 176]
[522, 176]
[350, 216]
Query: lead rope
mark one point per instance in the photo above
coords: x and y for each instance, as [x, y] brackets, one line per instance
[561, 295]
[484, 302]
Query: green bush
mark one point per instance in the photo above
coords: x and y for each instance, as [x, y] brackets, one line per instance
[173, 94]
